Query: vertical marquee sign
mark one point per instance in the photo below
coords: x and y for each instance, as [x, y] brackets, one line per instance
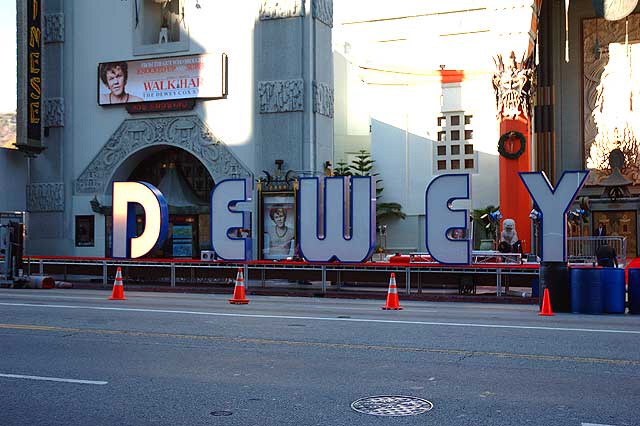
[34, 90]
[31, 79]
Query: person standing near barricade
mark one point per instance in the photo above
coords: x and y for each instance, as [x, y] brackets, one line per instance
[606, 256]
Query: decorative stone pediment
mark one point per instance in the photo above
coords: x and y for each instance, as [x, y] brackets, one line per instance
[280, 9]
[185, 132]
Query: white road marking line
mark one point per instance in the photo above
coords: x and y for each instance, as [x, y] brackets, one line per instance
[218, 296]
[593, 424]
[50, 297]
[221, 296]
[325, 304]
[379, 321]
[54, 379]
[362, 309]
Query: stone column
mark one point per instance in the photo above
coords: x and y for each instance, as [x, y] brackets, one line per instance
[294, 80]
[50, 220]
[512, 83]
[515, 30]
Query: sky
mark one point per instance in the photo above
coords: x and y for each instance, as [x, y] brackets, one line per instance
[8, 55]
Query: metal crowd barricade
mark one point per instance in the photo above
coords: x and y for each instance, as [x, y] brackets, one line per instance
[175, 272]
[583, 249]
[477, 256]
[494, 256]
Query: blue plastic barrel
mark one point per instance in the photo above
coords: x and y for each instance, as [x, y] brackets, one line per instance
[614, 291]
[634, 291]
[535, 286]
[586, 291]
[577, 279]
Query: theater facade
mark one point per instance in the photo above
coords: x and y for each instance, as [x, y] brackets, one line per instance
[181, 94]
[186, 93]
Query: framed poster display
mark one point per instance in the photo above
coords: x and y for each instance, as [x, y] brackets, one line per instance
[278, 236]
[85, 231]
[182, 241]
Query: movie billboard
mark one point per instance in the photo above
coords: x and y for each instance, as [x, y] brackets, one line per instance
[8, 74]
[150, 80]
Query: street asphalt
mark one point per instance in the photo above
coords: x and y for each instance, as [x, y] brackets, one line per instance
[72, 357]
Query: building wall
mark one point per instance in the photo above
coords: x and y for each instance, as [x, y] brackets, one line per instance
[389, 96]
[265, 41]
[352, 123]
[403, 125]
[568, 83]
[13, 178]
[397, 123]
[93, 40]
[404, 137]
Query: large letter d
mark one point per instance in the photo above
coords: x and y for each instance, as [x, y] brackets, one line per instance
[125, 197]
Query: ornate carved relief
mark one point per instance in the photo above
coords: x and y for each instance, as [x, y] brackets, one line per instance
[611, 89]
[186, 132]
[613, 10]
[45, 197]
[323, 99]
[54, 28]
[281, 96]
[53, 112]
[279, 9]
[323, 11]
[512, 83]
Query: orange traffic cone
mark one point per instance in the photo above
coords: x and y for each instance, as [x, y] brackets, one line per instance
[239, 297]
[392, 295]
[546, 305]
[118, 289]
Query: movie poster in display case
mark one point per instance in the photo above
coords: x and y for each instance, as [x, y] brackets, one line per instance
[182, 236]
[278, 226]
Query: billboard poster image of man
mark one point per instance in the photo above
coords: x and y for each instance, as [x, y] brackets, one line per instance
[114, 76]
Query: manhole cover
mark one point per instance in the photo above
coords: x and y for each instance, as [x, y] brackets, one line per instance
[392, 405]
